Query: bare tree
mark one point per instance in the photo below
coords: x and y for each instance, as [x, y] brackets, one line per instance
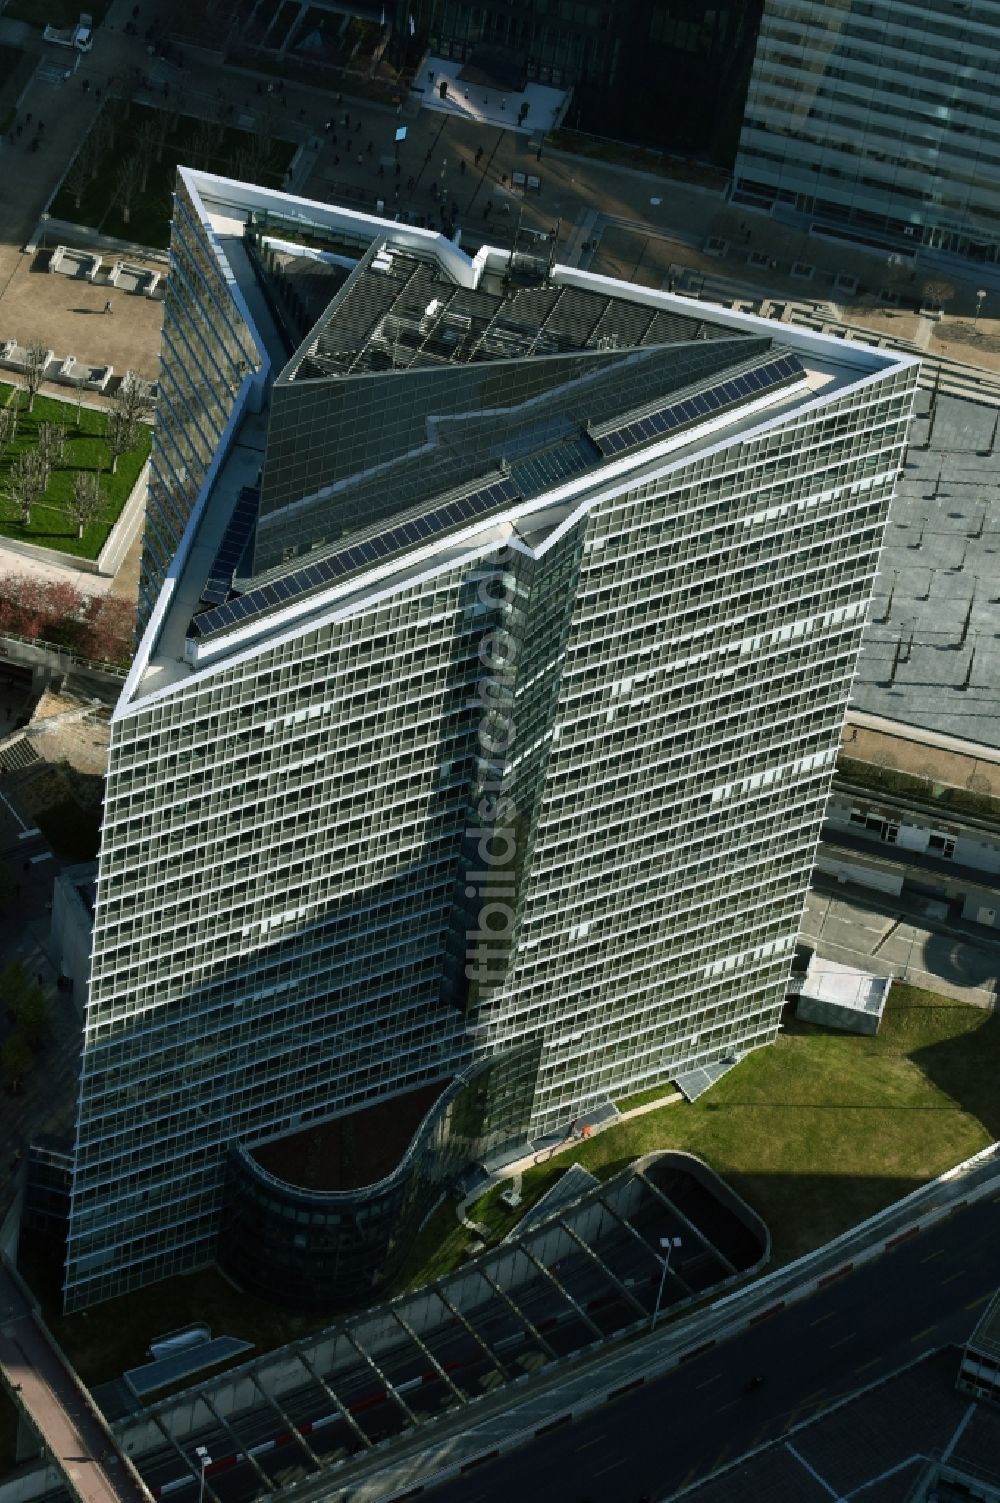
[133, 403]
[155, 132]
[85, 504]
[81, 382]
[51, 445]
[937, 292]
[26, 482]
[129, 177]
[36, 358]
[8, 426]
[204, 142]
[81, 171]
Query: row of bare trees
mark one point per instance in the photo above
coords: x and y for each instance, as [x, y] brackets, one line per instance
[145, 146]
[31, 470]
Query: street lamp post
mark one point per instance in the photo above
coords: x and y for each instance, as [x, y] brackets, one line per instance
[980, 300]
[668, 1244]
[204, 1460]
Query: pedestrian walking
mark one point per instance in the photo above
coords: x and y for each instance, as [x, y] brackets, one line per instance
[371, 147]
[336, 159]
[381, 169]
[349, 143]
[461, 166]
[398, 169]
[538, 154]
[107, 306]
[479, 155]
[428, 154]
[361, 160]
[410, 182]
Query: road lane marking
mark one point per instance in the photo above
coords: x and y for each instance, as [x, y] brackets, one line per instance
[932, 1255]
[842, 1341]
[921, 1334]
[713, 1379]
[975, 1303]
[723, 1407]
[953, 1276]
[610, 1466]
[864, 1366]
[595, 1442]
[820, 1318]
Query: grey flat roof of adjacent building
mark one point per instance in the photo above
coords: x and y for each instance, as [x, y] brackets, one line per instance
[931, 652]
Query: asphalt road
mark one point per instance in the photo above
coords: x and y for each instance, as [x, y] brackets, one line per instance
[379, 1380]
[926, 1293]
[896, 936]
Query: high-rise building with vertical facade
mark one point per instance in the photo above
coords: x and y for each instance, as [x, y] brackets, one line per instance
[880, 118]
[499, 626]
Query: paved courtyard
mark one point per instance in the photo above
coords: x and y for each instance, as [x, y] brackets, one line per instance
[900, 937]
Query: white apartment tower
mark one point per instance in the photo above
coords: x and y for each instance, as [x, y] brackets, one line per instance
[500, 621]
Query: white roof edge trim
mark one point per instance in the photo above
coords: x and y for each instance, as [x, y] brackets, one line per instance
[199, 675]
[850, 352]
[248, 196]
[819, 401]
[615, 470]
[187, 176]
[177, 564]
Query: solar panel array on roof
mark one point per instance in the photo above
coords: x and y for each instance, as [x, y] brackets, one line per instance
[539, 472]
[724, 394]
[363, 555]
[232, 548]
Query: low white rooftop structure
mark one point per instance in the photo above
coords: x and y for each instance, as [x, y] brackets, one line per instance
[841, 996]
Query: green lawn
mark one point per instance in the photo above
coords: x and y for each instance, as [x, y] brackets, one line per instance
[189, 143]
[643, 1098]
[816, 1132]
[51, 525]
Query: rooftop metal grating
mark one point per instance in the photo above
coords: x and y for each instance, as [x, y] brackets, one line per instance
[400, 310]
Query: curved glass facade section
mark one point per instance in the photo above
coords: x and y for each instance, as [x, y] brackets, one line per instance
[327, 1249]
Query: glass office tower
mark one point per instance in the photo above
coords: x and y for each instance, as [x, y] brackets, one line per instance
[881, 117]
[487, 709]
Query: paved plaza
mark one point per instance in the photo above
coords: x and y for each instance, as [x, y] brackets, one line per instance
[614, 218]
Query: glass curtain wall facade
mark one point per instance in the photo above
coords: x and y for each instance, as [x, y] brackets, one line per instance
[881, 116]
[547, 787]
[206, 353]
